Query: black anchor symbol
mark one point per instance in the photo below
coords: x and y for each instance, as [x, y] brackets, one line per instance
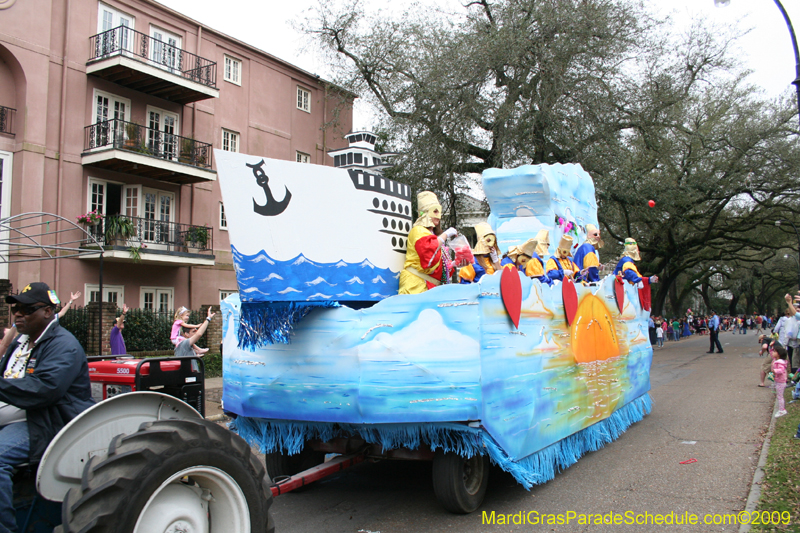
[272, 207]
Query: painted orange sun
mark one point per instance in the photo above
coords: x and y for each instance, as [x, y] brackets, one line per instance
[594, 336]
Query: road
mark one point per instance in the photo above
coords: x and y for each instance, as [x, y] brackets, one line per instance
[706, 407]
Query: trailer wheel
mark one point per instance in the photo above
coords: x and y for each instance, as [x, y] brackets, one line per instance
[172, 475]
[280, 465]
[460, 483]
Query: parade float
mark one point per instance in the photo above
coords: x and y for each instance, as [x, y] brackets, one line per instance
[322, 355]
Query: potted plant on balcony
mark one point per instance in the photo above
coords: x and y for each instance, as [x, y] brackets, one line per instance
[187, 149]
[196, 238]
[118, 230]
[131, 135]
[92, 218]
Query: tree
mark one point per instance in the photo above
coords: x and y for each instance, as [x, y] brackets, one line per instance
[648, 113]
[496, 84]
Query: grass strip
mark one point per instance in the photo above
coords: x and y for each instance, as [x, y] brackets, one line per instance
[780, 488]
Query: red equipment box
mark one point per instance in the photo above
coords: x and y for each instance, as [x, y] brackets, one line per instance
[183, 378]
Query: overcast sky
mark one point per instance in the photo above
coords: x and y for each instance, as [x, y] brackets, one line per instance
[766, 49]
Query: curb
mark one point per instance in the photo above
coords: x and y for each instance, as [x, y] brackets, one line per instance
[758, 475]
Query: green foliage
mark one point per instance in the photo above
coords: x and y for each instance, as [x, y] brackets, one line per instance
[213, 365]
[119, 227]
[197, 236]
[144, 331]
[76, 321]
[651, 113]
[147, 330]
[780, 489]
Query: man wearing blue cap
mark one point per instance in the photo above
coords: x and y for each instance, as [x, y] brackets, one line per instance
[44, 385]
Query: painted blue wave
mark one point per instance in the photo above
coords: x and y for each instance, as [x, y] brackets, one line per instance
[264, 279]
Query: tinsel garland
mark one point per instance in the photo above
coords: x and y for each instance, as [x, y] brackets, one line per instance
[289, 437]
[262, 323]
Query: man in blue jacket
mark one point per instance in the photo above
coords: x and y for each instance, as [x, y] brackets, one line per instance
[44, 385]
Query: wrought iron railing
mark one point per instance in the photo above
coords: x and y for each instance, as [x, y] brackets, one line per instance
[116, 133]
[129, 42]
[143, 235]
[7, 120]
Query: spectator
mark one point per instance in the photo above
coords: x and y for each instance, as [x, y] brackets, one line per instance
[185, 348]
[713, 331]
[117, 342]
[45, 384]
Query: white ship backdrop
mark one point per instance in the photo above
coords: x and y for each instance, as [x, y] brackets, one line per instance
[443, 369]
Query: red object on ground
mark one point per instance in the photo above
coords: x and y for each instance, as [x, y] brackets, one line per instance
[619, 292]
[644, 294]
[511, 292]
[570, 297]
[651, 203]
[688, 462]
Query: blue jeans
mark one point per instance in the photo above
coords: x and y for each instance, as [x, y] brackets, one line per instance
[14, 449]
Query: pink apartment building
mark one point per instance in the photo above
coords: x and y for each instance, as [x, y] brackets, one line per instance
[116, 106]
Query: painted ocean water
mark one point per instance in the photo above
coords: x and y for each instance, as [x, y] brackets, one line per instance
[264, 279]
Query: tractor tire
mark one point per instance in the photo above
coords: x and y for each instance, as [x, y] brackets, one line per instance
[460, 483]
[172, 475]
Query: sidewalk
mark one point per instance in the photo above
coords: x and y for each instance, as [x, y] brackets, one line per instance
[213, 397]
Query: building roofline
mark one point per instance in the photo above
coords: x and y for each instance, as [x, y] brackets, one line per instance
[283, 62]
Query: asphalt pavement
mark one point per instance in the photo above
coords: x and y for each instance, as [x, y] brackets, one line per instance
[706, 407]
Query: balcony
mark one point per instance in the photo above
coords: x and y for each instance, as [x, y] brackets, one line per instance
[136, 60]
[150, 153]
[155, 242]
[7, 120]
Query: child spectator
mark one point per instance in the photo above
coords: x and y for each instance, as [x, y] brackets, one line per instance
[779, 371]
[660, 337]
[766, 365]
[181, 316]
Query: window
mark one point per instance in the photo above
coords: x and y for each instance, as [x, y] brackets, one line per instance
[223, 222]
[112, 293]
[109, 18]
[225, 294]
[303, 158]
[166, 49]
[162, 133]
[303, 99]
[157, 299]
[233, 70]
[110, 114]
[358, 158]
[230, 141]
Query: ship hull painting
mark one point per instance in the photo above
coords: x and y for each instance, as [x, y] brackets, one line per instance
[303, 232]
[452, 355]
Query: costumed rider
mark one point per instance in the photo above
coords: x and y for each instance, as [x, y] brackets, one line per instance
[538, 248]
[519, 256]
[424, 267]
[586, 255]
[560, 265]
[487, 255]
[626, 268]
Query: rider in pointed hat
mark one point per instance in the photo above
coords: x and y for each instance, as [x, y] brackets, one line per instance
[538, 248]
[626, 267]
[560, 265]
[586, 257]
[423, 268]
[487, 255]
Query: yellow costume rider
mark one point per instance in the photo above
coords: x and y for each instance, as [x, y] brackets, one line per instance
[586, 255]
[560, 265]
[423, 266]
[487, 255]
[538, 247]
[626, 268]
